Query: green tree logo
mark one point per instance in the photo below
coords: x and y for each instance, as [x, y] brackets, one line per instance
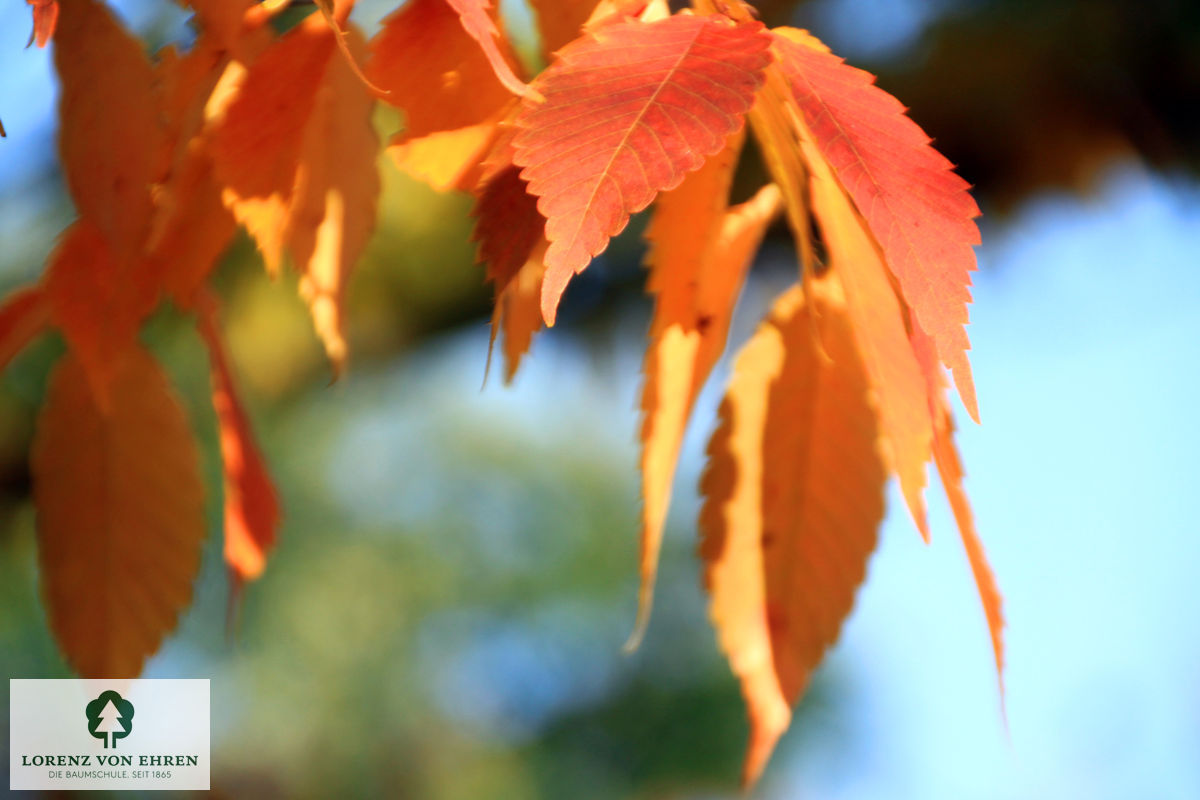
[110, 717]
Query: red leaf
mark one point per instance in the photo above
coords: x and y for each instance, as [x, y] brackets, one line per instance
[879, 323]
[507, 225]
[918, 210]
[251, 504]
[478, 22]
[629, 110]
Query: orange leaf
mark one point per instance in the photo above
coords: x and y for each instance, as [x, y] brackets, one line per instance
[192, 227]
[699, 253]
[45, 17]
[23, 315]
[94, 303]
[949, 465]
[478, 23]
[296, 151]
[918, 210]
[950, 468]
[518, 310]
[437, 75]
[560, 21]
[793, 497]
[447, 159]
[120, 513]
[111, 142]
[251, 504]
[879, 327]
[629, 110]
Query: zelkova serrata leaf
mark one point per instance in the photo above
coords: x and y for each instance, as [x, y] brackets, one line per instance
[629, 110]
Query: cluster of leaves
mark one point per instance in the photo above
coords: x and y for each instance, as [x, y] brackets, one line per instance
[842, 384]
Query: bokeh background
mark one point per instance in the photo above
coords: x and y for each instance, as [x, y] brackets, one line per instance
[444, 614]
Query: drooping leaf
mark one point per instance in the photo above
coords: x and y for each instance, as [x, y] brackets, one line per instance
[518, 312]
[93, 301]
[698, 254]
[451, 98]
[793, 497]
[949, 466]
[111, 142]
[259, 127]
[771, 120]
[629, 110]
[192, 226]
[23, 315]
[878, 319]
[507, 225]
[444, 160]
[296, 151]
[45, 17]
[917, 208]
[336, 195]
[251, 502]
[477, 21]
[945, 456]
[120, 514]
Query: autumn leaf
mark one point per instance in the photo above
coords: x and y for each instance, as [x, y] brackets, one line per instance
[112, 146]
[507, 225]
[120, 514]
[949, 465]
[24, 314]
[518, 312]
[295, 150]
[793, 497]
[451, 98]
[629, 110]
[560, 21]
[480, 26]
[93, 302]
[879, 328]
[45, 18]
[251, 504]
[918, 210]
[698, 257]
[191, 227]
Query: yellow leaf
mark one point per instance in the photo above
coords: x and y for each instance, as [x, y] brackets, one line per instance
[793, 497]
[879, 318]
[699, 253]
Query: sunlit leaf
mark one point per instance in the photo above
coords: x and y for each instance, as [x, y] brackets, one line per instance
[628, 111]
[918, 210]
[793, 498]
